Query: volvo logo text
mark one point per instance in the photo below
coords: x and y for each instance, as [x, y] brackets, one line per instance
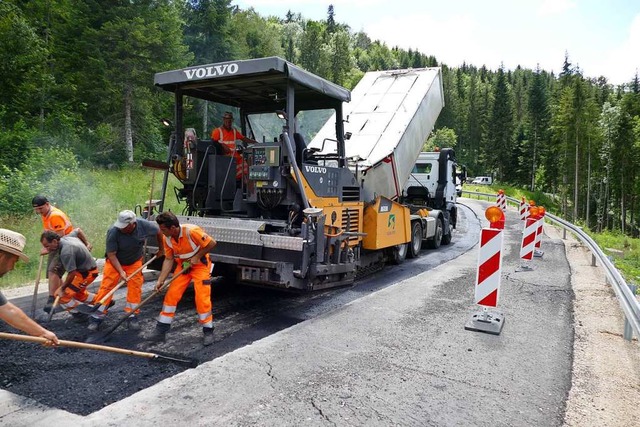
[213, 71]
[315, 169]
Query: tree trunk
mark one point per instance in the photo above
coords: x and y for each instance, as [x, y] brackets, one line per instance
[588, 181]
[533, 162]
[575, 184]
[623, 206]
[205, 120]
[128, 133]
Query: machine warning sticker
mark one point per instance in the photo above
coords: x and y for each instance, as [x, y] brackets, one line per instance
[385, 205]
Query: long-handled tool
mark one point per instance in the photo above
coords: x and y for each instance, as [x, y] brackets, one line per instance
[53, 307]
[102, 336]
[35, 289]
[156, 357]
[89, 309]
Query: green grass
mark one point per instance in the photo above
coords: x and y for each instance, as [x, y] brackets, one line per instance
[103, 194]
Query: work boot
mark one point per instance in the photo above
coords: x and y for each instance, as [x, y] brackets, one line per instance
[49, 304]
[132, 323]
[94, 324]
[159, 334]
[79, 317]
[208, 336]
[58, 309]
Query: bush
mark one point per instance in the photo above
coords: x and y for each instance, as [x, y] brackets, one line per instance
[49, 171]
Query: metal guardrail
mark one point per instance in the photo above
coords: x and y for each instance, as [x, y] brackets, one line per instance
[626, 297]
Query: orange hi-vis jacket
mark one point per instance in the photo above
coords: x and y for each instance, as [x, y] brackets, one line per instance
[228, 138]
[56, 220]
[190, 240]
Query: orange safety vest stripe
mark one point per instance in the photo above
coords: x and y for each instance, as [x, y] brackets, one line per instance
[56, 220]
[190, 240]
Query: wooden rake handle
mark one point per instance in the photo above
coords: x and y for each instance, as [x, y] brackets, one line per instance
[75, 344]
[123, 281]
[35, 288]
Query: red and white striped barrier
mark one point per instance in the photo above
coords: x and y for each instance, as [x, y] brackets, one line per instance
[528, 242]
[501, 201]
[524, 210]
[489, 267]
[540, 229]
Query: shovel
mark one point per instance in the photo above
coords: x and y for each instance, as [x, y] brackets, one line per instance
[89, 309]
[53, 308]
[101, 337]
[35, 289]
[155, 357]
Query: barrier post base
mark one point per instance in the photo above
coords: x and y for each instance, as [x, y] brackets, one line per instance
[525, 266]
[490, 322]
[538, 253]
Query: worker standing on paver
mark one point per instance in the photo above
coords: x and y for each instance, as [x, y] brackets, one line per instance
[189, 246]
[53, 219]
[11, 248]
[125, 245]
[81, 270]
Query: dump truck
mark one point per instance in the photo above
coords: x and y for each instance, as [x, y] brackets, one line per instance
[322, 200]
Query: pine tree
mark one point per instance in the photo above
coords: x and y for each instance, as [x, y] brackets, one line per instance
[501, 129]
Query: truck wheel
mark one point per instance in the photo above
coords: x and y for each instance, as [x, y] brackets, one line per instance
[446, 238]
[436, 240]
[416, 240]
[398, 253]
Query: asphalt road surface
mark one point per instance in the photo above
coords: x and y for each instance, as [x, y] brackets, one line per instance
[389, 350]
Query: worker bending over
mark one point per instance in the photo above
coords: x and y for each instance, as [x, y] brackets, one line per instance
[81, 270]
[125, 244]
[53, 219]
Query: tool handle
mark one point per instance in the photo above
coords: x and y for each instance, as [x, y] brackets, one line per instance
[143, 302]
[185, 361]
[35, 288]
[123, 281]
[53, 307]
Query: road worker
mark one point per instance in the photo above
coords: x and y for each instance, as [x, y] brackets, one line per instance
[227, 136]
[11, 248]
[81, 270]
[125, 245]
[53, 219]
[189, 246]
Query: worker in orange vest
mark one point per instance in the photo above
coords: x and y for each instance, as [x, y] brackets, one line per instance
[227, 136]
[53, 219]
[189, 246]
[81, 270]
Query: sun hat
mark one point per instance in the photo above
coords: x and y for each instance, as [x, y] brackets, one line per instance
[125, 218]
[13, 242]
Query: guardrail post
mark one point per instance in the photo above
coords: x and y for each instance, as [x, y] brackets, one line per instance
[628, 330]
[564, 233]
[593, 259]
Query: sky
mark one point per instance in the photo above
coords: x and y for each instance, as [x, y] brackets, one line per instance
[602, 37]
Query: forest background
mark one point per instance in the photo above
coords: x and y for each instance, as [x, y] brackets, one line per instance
[78, 108]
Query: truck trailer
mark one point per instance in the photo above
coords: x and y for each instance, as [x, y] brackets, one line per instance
[323, 197]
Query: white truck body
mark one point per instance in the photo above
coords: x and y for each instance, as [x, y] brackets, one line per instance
[425, 173]
[390, 117]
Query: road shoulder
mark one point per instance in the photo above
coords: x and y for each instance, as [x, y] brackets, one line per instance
[605, 385]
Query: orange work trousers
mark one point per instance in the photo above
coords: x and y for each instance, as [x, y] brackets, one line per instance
[111, 277]
[76, 292]
[201, 276]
